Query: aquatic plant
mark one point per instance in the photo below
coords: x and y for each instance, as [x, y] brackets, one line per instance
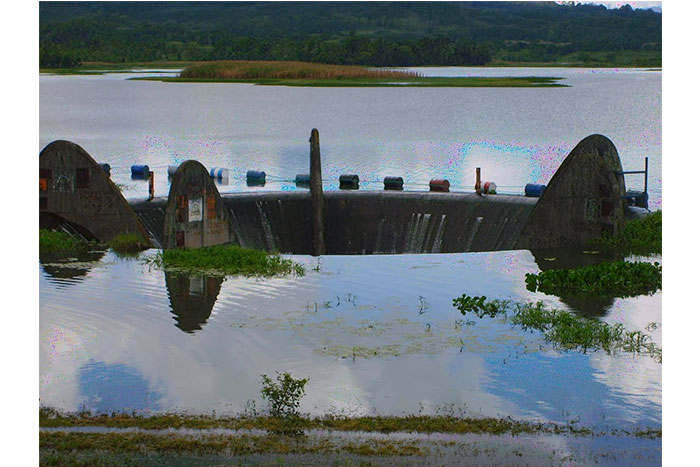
[284, 395]
[639, 237]
[59, 242]
[618, 278]
[227, 259]
[562, 329]
[128, 244]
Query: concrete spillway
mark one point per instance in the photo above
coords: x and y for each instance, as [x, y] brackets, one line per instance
[367, 222]
[584, 199]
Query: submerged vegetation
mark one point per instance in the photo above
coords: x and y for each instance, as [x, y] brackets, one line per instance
[639, 237]
[564, 330]
[228, 260]
[618, 278]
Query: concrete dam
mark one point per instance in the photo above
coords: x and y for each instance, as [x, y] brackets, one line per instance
[585, 198]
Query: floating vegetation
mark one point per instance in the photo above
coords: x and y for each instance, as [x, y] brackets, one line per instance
[51, 242]
[228, 260]
[619, 279]
[128, 244]
[564, 330]
[639, 237]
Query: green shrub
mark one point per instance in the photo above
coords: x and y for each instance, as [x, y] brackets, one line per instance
[283, 396]
[619, 279]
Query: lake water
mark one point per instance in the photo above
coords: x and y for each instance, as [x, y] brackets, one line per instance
[375, 334]
[515, 135]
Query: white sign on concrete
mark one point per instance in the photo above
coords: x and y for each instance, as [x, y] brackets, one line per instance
[195, 211]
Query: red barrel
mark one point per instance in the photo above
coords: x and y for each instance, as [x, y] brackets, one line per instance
[439, 184]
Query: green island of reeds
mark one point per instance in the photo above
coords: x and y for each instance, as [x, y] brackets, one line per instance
[128, 244]
[618, 279]
[227, 260]
[562, 329]
[639, 237]
[271, 73]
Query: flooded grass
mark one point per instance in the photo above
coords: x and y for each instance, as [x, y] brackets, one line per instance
[618, 279]
[51, 242]
[639, 237]
[127, 244]
[228, 260]
[564, 330]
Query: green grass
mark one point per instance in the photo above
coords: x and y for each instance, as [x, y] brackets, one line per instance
[618, 279]
[639, 237]
[229, 260]
[563, 330]
[51, 418]
[128, 244]
[51, 242]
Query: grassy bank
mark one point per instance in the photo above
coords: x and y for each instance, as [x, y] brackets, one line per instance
[51, 418]
[227, 260]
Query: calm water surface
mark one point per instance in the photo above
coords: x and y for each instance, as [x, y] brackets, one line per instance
[515, 135]
[375, 334]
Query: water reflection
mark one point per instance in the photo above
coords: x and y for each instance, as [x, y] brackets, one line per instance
[569, 258]
[115, 387]
[64, 270]
[192, 298]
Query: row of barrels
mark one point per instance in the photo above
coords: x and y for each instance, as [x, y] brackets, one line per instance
[347, 181]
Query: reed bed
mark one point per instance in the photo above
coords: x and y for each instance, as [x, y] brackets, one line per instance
[244, 70]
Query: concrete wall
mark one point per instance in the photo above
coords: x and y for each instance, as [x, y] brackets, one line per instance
[583, 200]
[72, 186]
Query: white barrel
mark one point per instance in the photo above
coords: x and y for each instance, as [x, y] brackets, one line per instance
[488, 188]
[172, 169]
[218, 172]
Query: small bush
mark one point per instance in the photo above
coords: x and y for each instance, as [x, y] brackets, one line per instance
[619, 279]
[283, 396]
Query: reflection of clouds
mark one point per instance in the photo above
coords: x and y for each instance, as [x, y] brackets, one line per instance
[636, 379]
[121, 316]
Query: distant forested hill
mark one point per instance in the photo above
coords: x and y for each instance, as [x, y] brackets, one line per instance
[366, 33]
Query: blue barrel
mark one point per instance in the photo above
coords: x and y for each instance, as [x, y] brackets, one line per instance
[138, 169]
[349, 182]
[393, 183]
[533, 190]
[219, 173]
[255, 176]
[107, 168]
